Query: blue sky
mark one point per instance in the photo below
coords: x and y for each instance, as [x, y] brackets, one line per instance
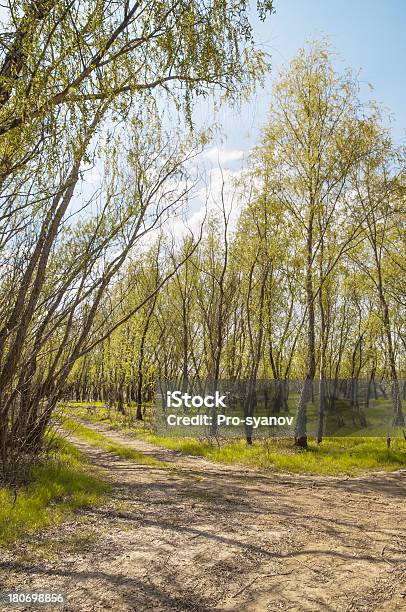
[369, 36]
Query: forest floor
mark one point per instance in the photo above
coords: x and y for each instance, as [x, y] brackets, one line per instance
[195, 535]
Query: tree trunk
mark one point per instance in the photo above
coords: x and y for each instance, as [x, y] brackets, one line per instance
[307, 391]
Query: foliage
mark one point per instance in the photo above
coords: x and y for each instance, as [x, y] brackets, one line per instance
[305, 285]
[82, 86]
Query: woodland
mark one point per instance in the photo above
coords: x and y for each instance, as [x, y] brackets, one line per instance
[143, 256]
[296, 272]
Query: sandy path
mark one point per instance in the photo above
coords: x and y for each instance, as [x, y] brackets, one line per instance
[204, 536]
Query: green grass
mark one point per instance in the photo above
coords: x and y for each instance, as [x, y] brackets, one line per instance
[100, 414]
[334, 456]
[99, 440]
[86, 404]
[57, 487]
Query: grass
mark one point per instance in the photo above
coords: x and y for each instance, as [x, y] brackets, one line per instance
[335, 456]
[57, 487]
[97, 439]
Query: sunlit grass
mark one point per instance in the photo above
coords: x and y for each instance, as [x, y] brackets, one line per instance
[99, 440]
[99, 413]
[333, 457]
[57, 487]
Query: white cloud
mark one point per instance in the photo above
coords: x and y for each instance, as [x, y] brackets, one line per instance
[221, 156]
[219, 190]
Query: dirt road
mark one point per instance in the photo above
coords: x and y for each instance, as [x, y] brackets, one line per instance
[203, 536]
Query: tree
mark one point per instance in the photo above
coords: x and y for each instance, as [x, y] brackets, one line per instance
[70, 72]
[381, 194]
[317, 132]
